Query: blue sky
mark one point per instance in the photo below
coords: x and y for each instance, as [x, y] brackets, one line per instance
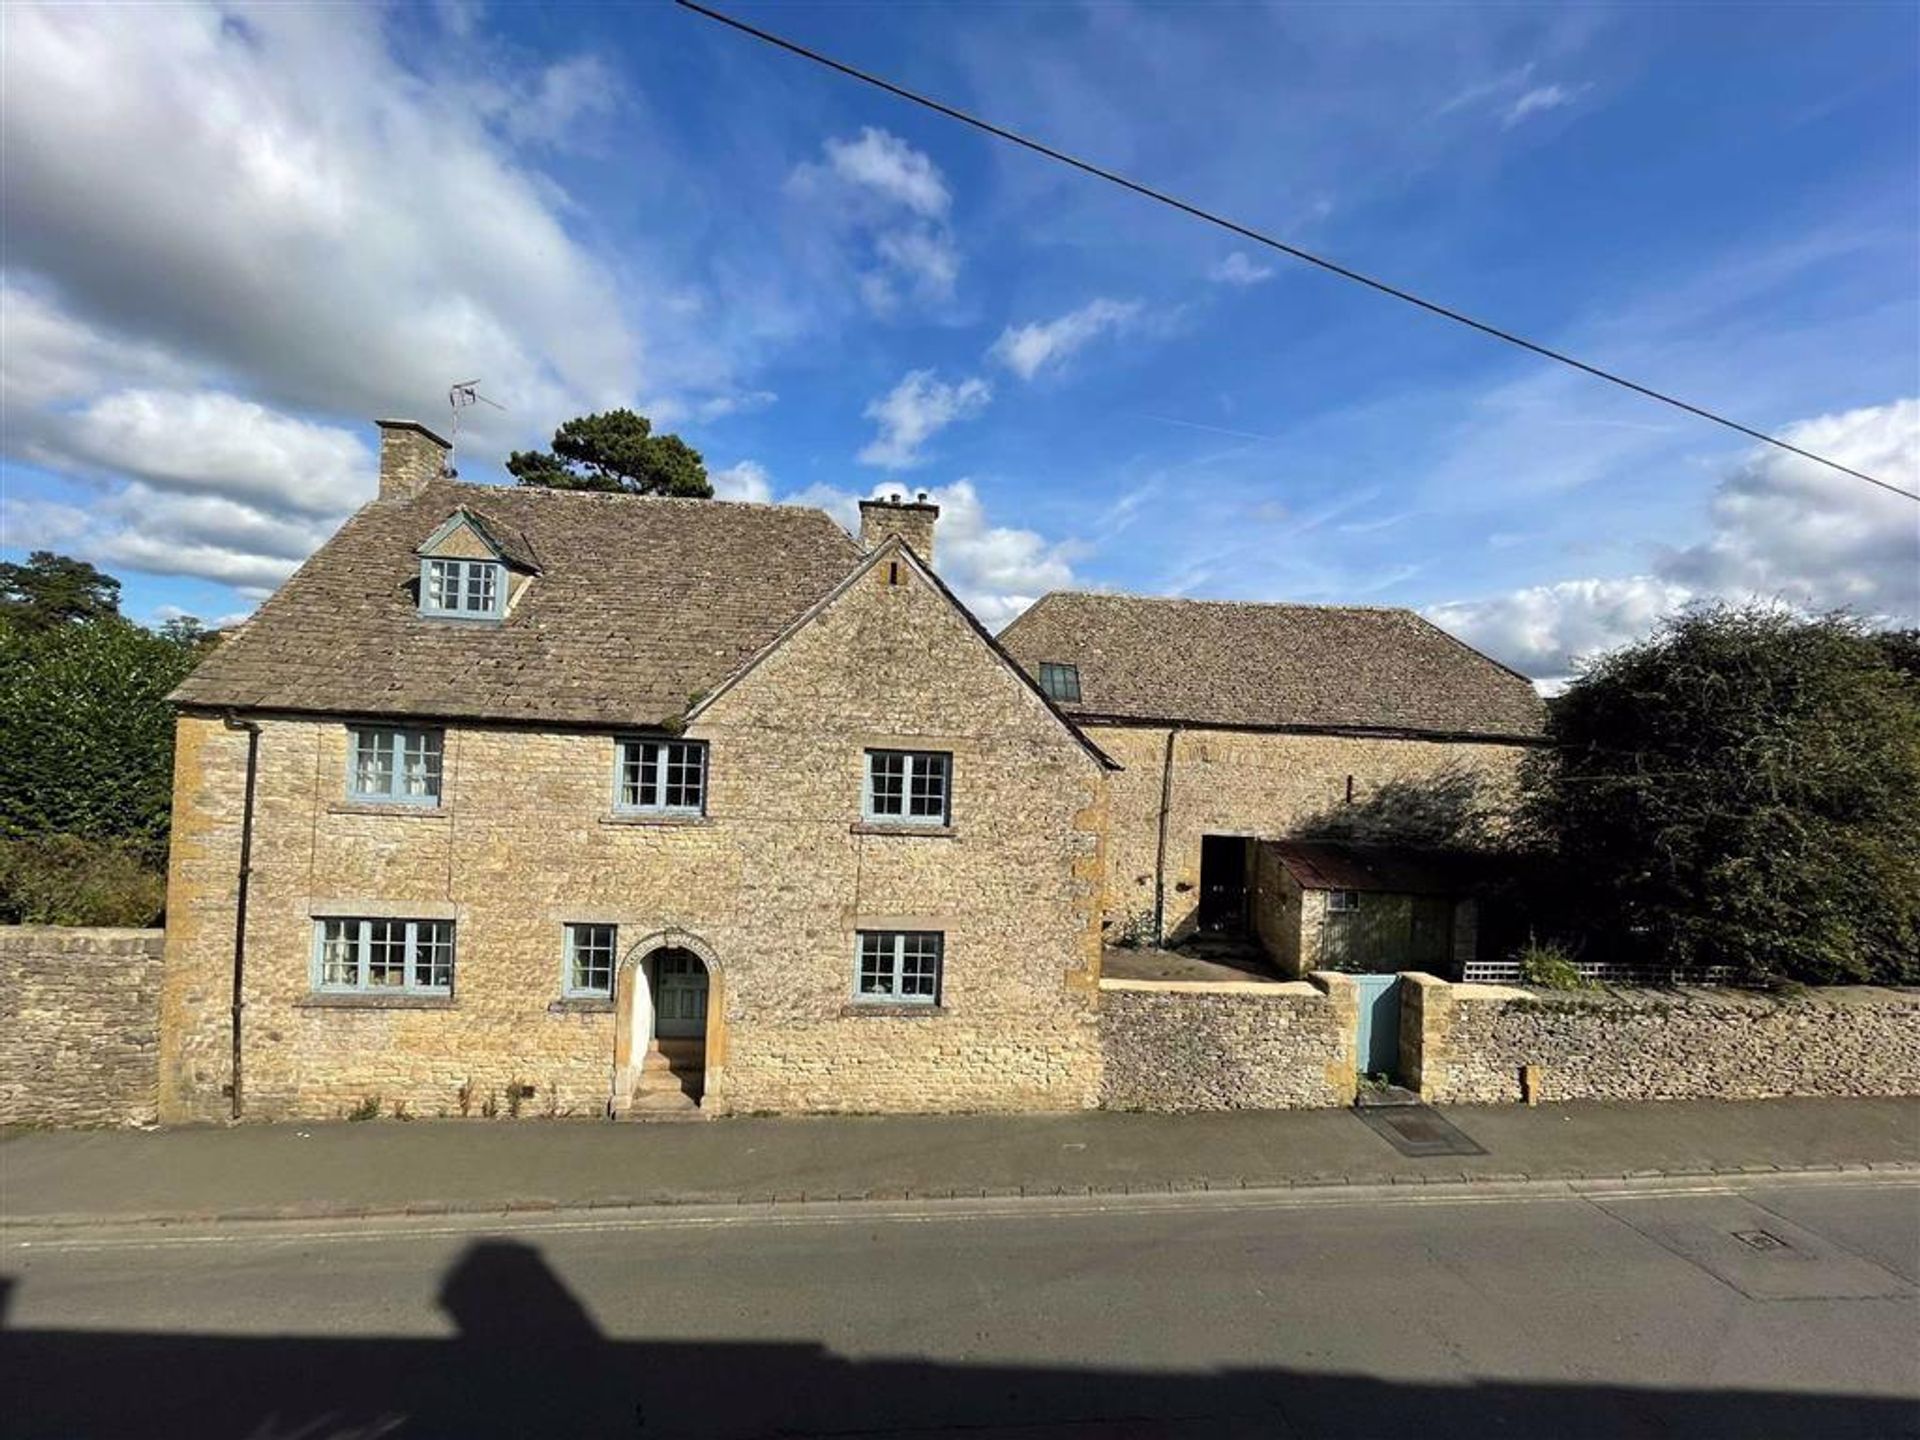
[235, 235]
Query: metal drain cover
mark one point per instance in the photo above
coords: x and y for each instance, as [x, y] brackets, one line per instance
[1417, 1130]
[1761, 1240]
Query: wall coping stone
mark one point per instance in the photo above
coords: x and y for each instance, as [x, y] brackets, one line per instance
[77, 936]
[1274, 989]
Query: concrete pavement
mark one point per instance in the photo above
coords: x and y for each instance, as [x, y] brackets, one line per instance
[1782, 1308]
[388, 1167]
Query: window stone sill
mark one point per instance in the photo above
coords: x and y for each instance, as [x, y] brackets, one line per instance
[581, 1005]
[408, 812]
[880, 827]
[618, 818]
[887, 1010]
[377, 1002]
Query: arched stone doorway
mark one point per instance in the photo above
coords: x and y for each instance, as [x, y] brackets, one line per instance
[669, 1028]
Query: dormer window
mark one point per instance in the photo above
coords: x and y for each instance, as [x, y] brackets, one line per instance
[470, 568]
[463, 589]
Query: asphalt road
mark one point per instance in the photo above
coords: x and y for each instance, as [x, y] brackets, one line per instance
[1765, 1310]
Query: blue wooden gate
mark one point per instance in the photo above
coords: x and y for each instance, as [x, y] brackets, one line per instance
[1376, 1048]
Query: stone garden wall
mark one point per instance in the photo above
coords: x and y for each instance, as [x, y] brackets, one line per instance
[1466, 1044]
[1179, 1045]
[79, 1026]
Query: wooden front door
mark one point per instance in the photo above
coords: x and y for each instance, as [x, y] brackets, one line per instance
[679, 995]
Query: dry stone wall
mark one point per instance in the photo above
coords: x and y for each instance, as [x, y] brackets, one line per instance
[79, 1026]
[1181, 1046]
[1465, 1044]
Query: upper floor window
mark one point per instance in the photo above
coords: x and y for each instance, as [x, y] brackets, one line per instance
[908, 787]
[1060, 682]
[408, 957]
[1343, 901]
[665, 777]
[901, 966]
[591, 950]
[474, 589]
[391, 765]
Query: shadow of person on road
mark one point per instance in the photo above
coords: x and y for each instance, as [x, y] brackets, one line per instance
[528, 1361]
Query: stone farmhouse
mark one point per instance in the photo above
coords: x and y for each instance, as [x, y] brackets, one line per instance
[576, 803]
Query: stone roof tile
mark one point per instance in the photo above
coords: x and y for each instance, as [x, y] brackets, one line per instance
[641, 603]
[1205, 662]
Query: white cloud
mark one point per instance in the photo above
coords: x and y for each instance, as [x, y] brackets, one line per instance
[139, 528]
[747, 480]
[1790, 529]
[1540, 100]
[887, 165]
[734, 402]
[47, 356]
[271, 193]
[203, 442]
[996, 570]
[890, 203]
[1028, 349]
[1237, 269]
[1545, 630]
[1782, 530]
[915, 410]
[1480, 90]
[275, 219]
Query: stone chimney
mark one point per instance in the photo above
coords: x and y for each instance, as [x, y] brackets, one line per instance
[412, 457]
[912, 520]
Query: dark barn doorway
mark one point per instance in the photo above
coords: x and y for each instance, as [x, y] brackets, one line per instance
[1225, 862]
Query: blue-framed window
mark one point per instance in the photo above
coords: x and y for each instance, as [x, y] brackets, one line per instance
[908, 787]
[390, 765]
[592, 952]
[899, 967]
[1060, 681]
[661, 777]
[355, 956]
[465, 589]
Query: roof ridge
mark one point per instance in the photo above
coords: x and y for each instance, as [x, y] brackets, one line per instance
[1196, 600]
[628, 495]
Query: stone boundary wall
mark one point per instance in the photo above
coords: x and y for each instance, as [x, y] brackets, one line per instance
[79, 1026]
[1474, 1044]
[1170, 1045]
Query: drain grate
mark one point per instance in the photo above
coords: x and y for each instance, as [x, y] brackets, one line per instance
[1760, 1240]
[1417, 1130]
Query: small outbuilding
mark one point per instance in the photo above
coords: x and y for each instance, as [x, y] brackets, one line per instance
[1327, 905]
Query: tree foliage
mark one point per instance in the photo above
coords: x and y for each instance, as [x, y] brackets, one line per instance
[86, 748]
[614, 451]
[51, 590]
[86, 737]
[1742, 790]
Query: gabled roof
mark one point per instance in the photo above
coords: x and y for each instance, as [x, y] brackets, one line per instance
[508, 543]
[1232, 664]
[640, 603]
[894, 547]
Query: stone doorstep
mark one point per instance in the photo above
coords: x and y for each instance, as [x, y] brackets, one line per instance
[1570, 1182]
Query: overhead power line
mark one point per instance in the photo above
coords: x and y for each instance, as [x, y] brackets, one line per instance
[1248, 233]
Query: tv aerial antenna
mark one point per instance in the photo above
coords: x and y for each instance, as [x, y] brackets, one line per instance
[464, 395]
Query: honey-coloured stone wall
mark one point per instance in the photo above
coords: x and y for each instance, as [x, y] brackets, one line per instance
[770, 885]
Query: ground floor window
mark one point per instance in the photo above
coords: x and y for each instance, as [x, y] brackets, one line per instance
[902, 966]
[382, 956]
[590, 956]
